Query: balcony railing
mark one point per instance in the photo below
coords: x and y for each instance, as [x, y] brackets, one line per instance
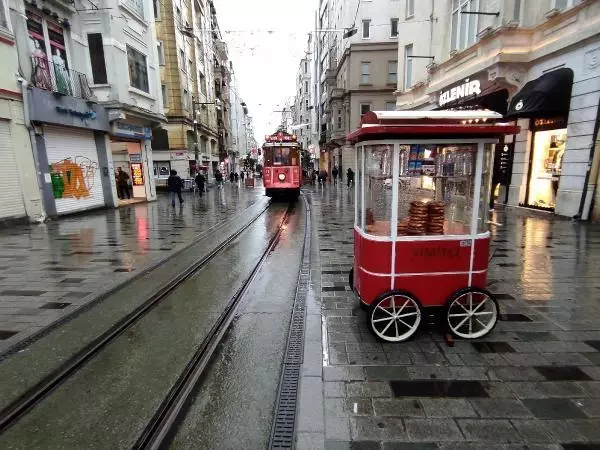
[58, 78]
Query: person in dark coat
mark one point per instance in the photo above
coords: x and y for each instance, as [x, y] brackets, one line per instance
[236, 176]
[174, 184]
[242, 175]
[334, 173]
[122, 184]
[231, 177]
[200, 182]
[350, 176]
[219, 179]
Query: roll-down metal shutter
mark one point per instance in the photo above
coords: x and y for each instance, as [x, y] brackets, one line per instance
[11, 200]
[74, 168]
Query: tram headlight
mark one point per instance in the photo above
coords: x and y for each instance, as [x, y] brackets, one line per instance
[281, 176]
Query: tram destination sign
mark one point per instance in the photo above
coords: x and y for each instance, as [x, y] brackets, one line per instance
[281, 137]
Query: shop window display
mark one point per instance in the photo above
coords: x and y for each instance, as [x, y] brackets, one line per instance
[546, 168]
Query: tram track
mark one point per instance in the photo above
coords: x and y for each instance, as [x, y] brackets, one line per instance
[27, 401]
[164, 423]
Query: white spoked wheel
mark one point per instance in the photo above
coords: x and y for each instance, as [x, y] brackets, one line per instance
[472, 313]
[394, 316]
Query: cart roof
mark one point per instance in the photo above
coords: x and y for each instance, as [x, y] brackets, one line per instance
[427, 124]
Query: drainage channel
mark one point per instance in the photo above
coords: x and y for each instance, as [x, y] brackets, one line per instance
[284, 423]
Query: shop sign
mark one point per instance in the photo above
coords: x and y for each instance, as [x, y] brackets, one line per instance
[555, 123]
[281, 137]
[137, 175]
[466, 89]
[135, 157]
[83, 115]
[129, 130]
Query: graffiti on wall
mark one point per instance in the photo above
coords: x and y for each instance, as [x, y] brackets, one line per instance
[73, 177]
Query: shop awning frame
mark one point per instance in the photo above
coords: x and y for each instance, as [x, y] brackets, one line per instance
[546, 96]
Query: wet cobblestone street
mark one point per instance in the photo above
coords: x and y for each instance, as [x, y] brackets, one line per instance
[534, 382]
[50, 270]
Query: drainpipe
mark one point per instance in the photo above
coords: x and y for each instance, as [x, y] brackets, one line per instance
[25, 91]
[591, 168]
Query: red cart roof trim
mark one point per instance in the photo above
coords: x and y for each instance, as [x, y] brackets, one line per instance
[396, 124]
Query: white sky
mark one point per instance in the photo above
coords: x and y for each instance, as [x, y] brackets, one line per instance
[266, 63]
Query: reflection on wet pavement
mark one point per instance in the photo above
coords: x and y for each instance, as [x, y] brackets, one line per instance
[49, 270]
[542, 357]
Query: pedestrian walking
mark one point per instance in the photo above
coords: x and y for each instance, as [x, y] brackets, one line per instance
[122, 184]
[231, 177]
[174, 184]
[334, 173]
[242, 175]
[236, 176]
[219, 179]
[322, 177]
[200, 182]
[350, 177]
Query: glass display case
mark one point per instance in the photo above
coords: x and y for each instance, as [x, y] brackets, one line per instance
[433, 189]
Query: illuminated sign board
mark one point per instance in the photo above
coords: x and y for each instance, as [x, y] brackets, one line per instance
[137, 175]
[281, 137]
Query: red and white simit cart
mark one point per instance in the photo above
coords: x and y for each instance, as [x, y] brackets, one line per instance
[421, 242]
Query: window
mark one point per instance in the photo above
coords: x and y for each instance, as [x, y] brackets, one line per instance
[517, 11]
[306, 87]
[564, 4]
[393, 72]
[339, 119]
[202, 83]
[48, 55]
[365, 108]
[178, 16]
[390, 106]
[408, 52]
[365, 72]
[393, 27]
[366, 29]
[4, 15]
[96, 50]
[182, 60]
[464, 26]
[305, 66]
[185, 100]
[161, 53]
[410, 8]
[165, 95]
[137, 6]
[138, 70]
[156, 5]
[306, 102]
[190, 66]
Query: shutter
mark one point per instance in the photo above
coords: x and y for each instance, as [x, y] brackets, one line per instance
[11, 201]
[74, 169]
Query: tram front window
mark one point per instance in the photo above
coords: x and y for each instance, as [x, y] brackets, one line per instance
[281, 156]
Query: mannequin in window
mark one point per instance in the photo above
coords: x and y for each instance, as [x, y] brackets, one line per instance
[60, 71]
[557, 169]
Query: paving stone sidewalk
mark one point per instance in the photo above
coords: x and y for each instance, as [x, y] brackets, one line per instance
[49, 270]
[534, 382]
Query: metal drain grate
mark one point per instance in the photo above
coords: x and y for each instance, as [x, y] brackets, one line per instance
[282, 432]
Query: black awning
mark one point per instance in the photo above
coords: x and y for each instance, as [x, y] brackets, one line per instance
[546, 96]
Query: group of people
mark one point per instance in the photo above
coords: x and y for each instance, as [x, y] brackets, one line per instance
[321, 176]
[175, 183]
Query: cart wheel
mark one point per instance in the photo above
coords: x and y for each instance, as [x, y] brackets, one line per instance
[472, 313]
[351, 278]
[394, 316]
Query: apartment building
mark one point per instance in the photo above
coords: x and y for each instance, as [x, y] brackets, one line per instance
[303, 107]
[185, 47]
[91, 96]
[239, 120]
[537, 63]
[356, 59]
[21, 198]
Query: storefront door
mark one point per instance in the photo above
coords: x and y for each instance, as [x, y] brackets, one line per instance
[11, 204]
[545, 162]
[74, 169]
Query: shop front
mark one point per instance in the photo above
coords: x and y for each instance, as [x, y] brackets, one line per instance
[543, 104]
[131, 153]
[71, 144]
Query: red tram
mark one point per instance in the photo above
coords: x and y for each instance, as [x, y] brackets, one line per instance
[281, 170]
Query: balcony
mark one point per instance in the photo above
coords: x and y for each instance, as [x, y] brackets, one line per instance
[59, 79]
